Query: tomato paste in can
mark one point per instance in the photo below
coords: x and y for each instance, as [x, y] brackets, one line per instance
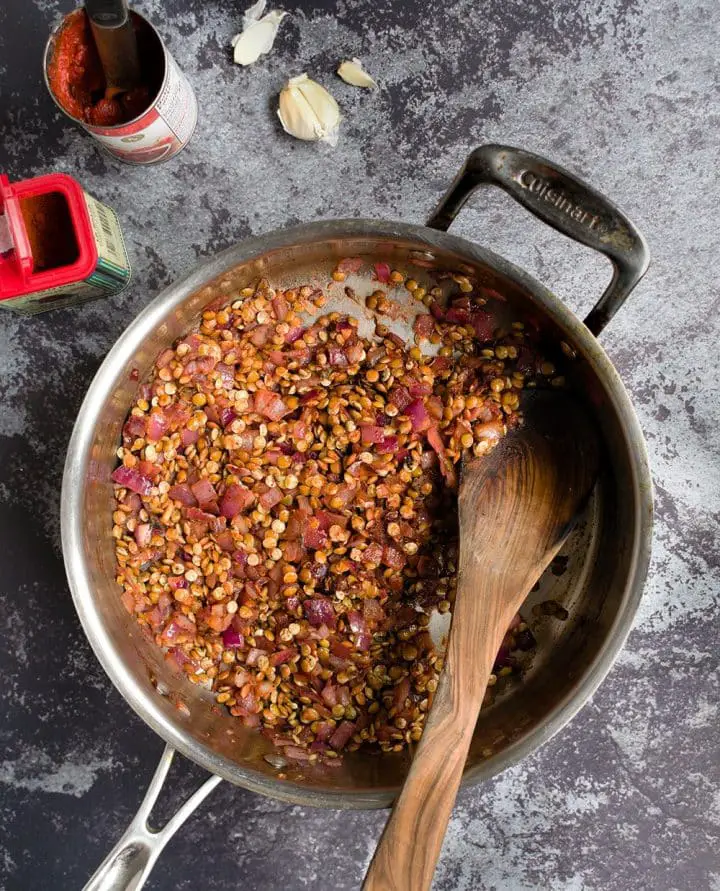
[152, 122]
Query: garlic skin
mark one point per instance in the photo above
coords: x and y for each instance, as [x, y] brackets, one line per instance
[254, 14]
[354, 74]
[307, 111]
[258, 34]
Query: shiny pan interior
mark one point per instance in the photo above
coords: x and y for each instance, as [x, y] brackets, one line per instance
[607, 554]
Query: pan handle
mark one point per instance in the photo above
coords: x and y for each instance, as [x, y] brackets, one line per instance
[128, 865]
[562, 201]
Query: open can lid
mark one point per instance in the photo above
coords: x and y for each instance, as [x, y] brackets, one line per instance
[16, 259]
[18, 275]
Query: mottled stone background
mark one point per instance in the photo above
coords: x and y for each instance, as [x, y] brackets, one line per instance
[624, 92]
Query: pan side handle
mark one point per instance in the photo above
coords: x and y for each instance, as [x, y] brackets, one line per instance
[128, 865]
[562, 201]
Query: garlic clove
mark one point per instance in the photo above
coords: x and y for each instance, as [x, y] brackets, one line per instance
[258, 37]
[254, 14]
[354, 74]
[307, 111]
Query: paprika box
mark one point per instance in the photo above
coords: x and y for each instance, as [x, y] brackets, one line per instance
[58, 245]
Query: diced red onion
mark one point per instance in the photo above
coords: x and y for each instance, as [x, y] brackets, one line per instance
[227, 416]
[373, 553]
[440, 364]
[260, 335]
[354, 352]
[269, 404]
[363, 641]
[329, 694]
[279, 657]
[457, 316]
[143, 534]
[132, 479]
[280, 307]
[484, 325]
[400, 397]
[313, 535]
[270, 498]
[424, 325]
[319, 611]
[134, 427]
[225, 540]
[226, 375]
[418, 390]
[356, 620]
[296, 753]
[232, 639]
[294, 333]
[165, 358]
[401, 693]
[235, 499]
[205, 493]
[336, 355]
[419, 418]
[393, 557]
[382, 272]
[373, 611]
[387, 444]
[183, 494]
[254, 654]
[344, 696]
[341, 736]
[189, 437]
[157, 425]
[371, 433]
[178, 630]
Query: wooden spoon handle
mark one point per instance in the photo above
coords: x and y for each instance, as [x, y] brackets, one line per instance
[410, 845]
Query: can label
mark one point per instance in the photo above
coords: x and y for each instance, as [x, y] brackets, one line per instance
[111, 273]
[162, 130]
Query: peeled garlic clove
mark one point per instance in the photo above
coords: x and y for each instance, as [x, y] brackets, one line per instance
[258, 35]
[354, 74]
[307, 111]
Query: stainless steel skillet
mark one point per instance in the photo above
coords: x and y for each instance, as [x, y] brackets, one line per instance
[607, 554]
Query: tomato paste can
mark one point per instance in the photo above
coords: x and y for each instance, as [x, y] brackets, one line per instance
[166, 124]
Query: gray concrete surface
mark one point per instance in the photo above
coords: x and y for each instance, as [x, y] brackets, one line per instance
[625, 93]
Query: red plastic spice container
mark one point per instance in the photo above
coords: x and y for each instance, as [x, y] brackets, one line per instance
[144, 126]
[58, 245]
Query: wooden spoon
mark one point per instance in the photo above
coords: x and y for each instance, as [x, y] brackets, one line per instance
[516, 507]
